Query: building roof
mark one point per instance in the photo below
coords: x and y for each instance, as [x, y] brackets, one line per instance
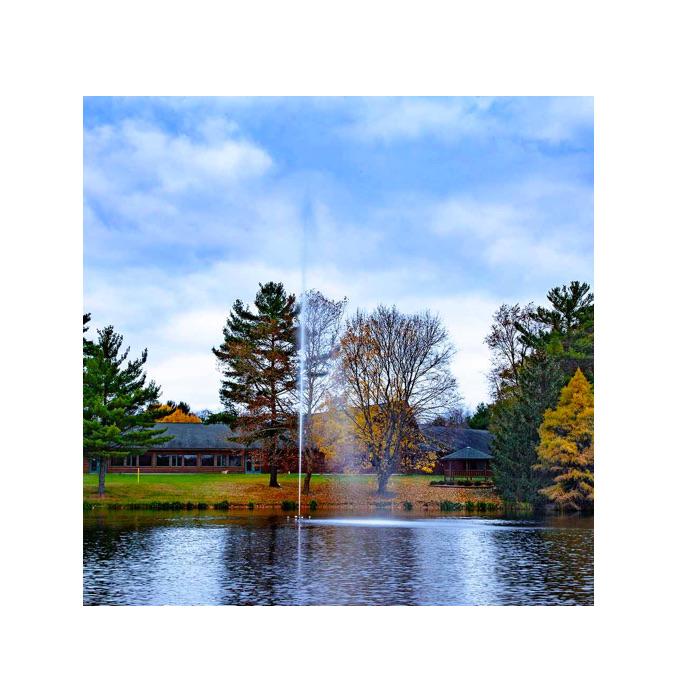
[446, 439]
[198, 436]
[468, 453]
[218, 436]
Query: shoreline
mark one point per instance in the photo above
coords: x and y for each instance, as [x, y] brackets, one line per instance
[468, 507]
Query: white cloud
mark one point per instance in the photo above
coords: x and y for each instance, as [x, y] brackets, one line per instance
[152, 193]
[134, 152]
[554, 120]
[551, 120]
[538, 227]
[190, 377]
[411, 119]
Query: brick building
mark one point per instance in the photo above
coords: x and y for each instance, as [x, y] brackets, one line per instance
[199, 448]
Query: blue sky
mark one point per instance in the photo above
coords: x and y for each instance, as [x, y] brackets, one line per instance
[454, 204]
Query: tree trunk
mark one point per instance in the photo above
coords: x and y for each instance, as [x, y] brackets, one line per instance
[309, 470]
[382, 481]
[101, 477]
[272, 461]
[306, 489]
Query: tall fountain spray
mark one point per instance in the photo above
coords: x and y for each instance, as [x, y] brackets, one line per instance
[302, 362]
[302, 343]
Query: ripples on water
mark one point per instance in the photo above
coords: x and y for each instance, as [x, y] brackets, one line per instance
[156, 559]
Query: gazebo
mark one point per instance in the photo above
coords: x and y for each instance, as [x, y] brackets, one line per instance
[467, 462]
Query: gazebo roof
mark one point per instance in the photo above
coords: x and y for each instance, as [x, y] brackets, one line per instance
[468, 453]
[446, 439]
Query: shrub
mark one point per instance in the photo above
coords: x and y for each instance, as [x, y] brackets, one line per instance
[481, 505]
[469, 505]
[289, 505]
[313, 505]
[202, 506]
[407, 505]
[474, 482]
[450, 506]
[251, 506]
[223, 505]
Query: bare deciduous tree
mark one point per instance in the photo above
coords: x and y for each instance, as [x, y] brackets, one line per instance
[321, 318]
[395, 371]
[509, 346]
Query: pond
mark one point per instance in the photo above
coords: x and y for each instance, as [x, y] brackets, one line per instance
[141, 558]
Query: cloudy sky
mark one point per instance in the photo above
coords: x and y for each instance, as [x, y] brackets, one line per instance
[456, 205]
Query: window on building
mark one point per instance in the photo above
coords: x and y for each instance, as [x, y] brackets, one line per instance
[222, 460]
[190, 460]
[162, 460]
[145, 460]
[234, 461]
[175, 460]
[207, 460]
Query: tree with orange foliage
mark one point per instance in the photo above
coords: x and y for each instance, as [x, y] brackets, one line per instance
[177, 413]
[566, 446]
[179, 416]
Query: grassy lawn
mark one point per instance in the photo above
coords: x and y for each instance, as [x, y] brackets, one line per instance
[328, 490]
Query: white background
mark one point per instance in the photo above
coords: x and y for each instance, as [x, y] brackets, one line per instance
[639, 61]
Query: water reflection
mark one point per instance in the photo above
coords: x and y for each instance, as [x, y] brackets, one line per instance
[153, 559]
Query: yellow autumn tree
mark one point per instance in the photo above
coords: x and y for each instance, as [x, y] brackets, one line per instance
[179, 416]
[566, 446]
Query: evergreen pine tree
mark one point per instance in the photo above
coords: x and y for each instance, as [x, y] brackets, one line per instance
[515, 422]
[566, 446]
[258, 362]
[481, 418]
[565, 330]
[118, 413]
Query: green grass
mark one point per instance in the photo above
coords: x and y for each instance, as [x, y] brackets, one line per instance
[239, 490]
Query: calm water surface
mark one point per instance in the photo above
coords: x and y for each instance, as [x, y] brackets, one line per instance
[209, 559]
